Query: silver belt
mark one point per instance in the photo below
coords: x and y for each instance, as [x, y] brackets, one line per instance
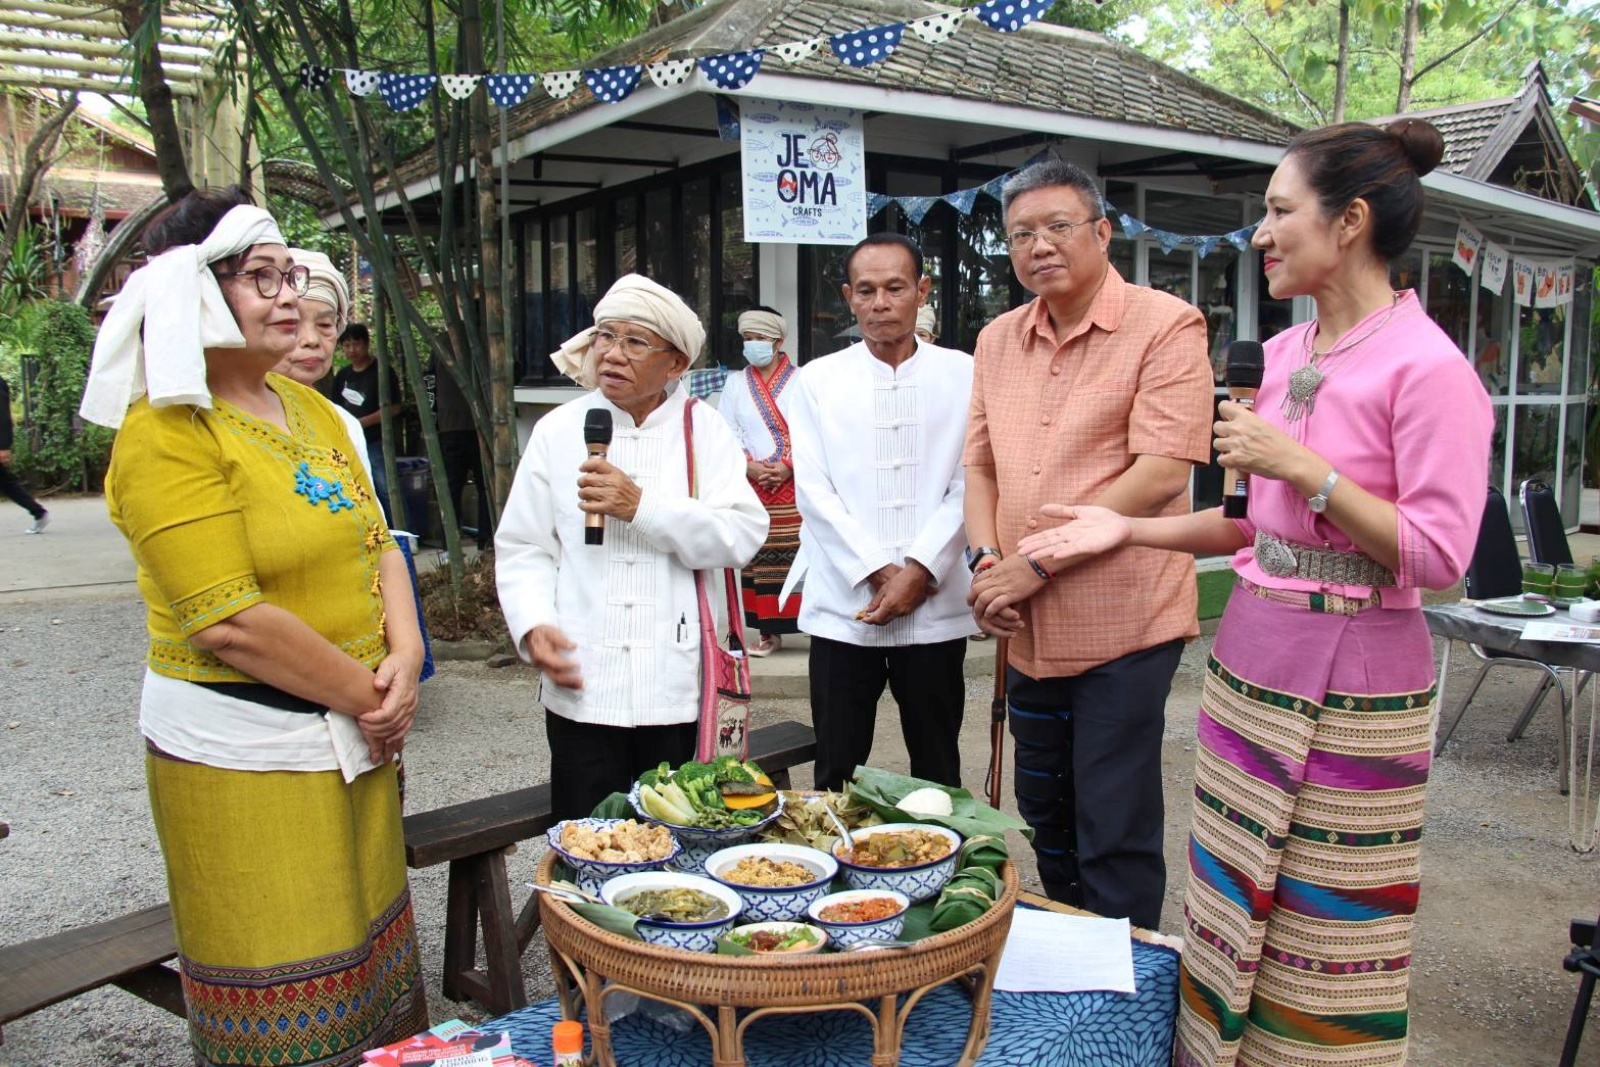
[1284, 559]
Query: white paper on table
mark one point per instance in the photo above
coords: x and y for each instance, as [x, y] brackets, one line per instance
[1048, 952]
[1560, 631]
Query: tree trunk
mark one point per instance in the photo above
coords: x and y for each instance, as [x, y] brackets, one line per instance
[142, 24]
[501, 401]
[1408, 55]
[35, 162]
[1341, 70]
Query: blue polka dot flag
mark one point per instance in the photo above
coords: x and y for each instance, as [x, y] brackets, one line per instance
[862, 48]
[1009, 16]
[962, 200]
[733, 70]
[508, 90]
[459, 86]
[611, 85]
[314, 77]
[402, 92]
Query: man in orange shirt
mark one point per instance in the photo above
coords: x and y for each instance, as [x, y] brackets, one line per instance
[1098, 392]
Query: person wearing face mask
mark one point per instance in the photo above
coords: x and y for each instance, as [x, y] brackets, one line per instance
[755, 403]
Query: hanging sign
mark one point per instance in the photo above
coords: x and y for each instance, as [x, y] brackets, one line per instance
[1469, 241]
[804, 173]
[1522, 279]
[1496, 261]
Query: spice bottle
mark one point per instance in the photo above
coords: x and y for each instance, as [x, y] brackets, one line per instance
[566, 1043]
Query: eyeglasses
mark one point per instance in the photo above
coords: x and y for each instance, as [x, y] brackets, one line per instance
[269, 279]
[1057, 233]
[634, 347]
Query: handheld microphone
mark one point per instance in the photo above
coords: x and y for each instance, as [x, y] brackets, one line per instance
[597, 441]
[1243, 377]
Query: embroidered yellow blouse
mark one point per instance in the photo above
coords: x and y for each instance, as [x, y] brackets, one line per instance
[222, 510]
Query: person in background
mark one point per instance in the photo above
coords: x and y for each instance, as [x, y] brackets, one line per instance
[1097, 392]
[283, 651]
[877, 465]
[755, 402]
[1367, 452]
[927, 325]
[460, 451]
[324, 311]
[9, 485]
[355, 388]
[615, 628]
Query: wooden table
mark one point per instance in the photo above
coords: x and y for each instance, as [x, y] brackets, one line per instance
[1465, 622]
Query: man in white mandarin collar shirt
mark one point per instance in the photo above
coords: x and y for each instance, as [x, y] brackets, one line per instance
[878, 432]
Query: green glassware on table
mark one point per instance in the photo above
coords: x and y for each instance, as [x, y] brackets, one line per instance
[1538, 578]
[1570, 581]
[1593, 589]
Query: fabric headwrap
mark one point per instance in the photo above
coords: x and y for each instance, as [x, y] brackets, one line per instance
[926, 320]
[177, 301]
[636, 299]
[327, 284]
[766, 323]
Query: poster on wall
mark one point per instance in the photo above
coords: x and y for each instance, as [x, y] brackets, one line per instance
[1469, 241]
[1495, 262]
[1544, 285]
[805, 173]
[1522, 280]
[1564, 277]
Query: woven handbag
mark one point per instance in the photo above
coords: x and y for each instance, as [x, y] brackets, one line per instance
[724, 728]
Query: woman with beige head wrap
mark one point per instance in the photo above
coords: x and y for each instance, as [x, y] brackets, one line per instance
[753, 402]
[324, 313]
[284, 653]
[615, 627]
[927, 325]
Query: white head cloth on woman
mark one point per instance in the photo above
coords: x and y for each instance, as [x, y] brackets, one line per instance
[176, 301]
[327, 284]
[766, 323]
[636, 299]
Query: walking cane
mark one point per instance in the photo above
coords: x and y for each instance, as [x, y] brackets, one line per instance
[997, 725]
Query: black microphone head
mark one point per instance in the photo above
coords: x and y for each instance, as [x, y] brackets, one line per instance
[597, 426]
[1246, 363]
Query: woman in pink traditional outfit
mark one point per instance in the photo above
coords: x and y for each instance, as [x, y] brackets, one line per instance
[1368, 451]
[753, 402]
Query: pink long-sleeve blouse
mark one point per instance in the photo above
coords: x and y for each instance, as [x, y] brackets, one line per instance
[1402, 415]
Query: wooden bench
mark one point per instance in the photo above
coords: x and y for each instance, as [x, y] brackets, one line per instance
[128, 951]
[475, 837]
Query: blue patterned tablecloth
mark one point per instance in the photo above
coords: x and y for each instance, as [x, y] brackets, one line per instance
[1029, 1030]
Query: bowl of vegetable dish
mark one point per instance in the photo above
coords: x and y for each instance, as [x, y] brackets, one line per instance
[676, 910]
[707, 806]
[860, 914]
[916, 859]
[779, 938]
[775, 881]
[597, 850]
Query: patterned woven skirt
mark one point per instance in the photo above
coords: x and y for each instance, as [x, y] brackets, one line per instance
[762, 578]
[1314, 745]
[293, 918]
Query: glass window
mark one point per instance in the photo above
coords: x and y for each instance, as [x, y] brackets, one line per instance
[1189, 213]
[1541, 349]
[658, 235]
[625, 236]
[1449, 297]
[1124, 197]
[1173, 272]
[1218, 299]
[1272, 316]
[831, 326]
[534, 345]
[986, 286]
[1572, 463]
[561, 313]
[1534, 446]
[695, 232]
[1406, 272]
[1497, 457]
[1122, 253]
[741, 281]
[1491, 355]
[586, 277]
[930, 237]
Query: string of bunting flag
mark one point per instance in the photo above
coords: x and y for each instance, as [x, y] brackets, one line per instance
[1538, 283]
[728, 71]
[916, 209]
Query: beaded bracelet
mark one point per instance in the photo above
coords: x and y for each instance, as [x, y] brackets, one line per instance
[1038, 568]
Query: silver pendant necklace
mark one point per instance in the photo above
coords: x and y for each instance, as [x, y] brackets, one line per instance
[1301, 400]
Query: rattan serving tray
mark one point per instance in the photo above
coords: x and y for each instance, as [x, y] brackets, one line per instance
[590, 964]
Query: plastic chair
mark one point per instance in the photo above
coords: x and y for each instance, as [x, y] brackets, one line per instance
[1496, 571]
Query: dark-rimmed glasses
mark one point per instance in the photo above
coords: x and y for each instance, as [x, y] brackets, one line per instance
[635, 348]
[1057, 233]
[270, 279]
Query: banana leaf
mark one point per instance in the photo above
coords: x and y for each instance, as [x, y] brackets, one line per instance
[614, 806]
[970, 817]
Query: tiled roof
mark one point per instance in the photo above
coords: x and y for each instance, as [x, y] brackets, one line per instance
[1466, 128]
[119, 196]
[1042, 66]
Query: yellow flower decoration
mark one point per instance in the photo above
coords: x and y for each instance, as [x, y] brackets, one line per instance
[358, 491]
[377, 585]
[338, 459]
[374, 536]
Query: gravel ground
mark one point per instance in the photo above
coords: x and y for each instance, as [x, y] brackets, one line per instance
[1500, 883]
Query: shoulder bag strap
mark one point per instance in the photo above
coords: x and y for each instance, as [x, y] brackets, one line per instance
[735, 609]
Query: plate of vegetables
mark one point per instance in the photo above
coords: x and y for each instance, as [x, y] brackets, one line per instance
[778, 938]
[707, 806]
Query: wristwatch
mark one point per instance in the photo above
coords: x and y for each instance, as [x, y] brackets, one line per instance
[975, 556]
[1319, 503]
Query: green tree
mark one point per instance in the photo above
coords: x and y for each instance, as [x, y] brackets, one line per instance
[55, 449]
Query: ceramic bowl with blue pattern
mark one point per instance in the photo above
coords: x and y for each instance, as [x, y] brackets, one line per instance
[774, 903]
[921, 881]
[844, 933]
[691, 937]
[698, 844]
[589, 874]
